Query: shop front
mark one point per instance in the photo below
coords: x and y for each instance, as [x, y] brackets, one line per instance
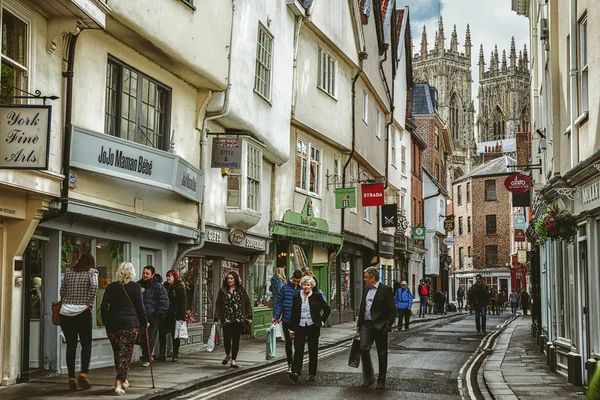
[387, 266]
[303, 240]
[498, 280]
[360, 253]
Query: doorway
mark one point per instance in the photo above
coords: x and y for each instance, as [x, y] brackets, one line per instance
[147, 257]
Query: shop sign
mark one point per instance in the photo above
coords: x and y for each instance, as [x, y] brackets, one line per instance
[306, 218]
[25, 136]
[450, 241]
[449, 223]
[522, 256]
[517, 183]
[239, 238]
[112, 156]
[215, 236]
[514, 261]
[12, 206]
[400, 243]
[372, 194]
[520, 223]
[520, 235]
[226, 153]
[389, 214]
[345, 197]
[418, 233]
[386, 245]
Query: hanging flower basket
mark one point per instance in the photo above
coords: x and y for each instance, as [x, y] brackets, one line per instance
[556, 224]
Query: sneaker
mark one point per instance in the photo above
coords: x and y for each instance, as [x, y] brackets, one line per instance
[145, 364]
[119, 391]
[289, 370]
[125, 385]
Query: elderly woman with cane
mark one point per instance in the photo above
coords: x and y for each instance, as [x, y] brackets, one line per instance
[123, 313]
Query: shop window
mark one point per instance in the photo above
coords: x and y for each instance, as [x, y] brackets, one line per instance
[333, 299]
[263, 272]
[15, 62]
[345, 284]
[298, 257]
[196, 276]
[34, 257]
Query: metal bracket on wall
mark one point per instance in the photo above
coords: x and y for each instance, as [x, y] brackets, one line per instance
[36, 95]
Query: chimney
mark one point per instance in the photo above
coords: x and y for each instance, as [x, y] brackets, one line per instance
[523, 139]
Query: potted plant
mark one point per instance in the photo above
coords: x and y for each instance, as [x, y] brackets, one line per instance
[556, 224]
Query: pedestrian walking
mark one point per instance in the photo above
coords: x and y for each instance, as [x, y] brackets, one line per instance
[525, 301]
[282, 313]
[78, 293]
[156, 303]
[123, 314]
[404, 302]
[460, 296]
[277, 282]
[376, 317]
[470, 300]
[514, 301]
[176, 312]
[232, 311]
[494, 301]
[423, 291]
[309, 312]
[481, 300]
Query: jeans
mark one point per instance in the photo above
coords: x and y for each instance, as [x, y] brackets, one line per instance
[73, 326]
[460, 304]
[302, 335]
[480, 313]
[368, 335]
[403, 313]
[155, 322]
[231, 335]
[166, 327]
[513, 307]
[423, 306]
[289, 343]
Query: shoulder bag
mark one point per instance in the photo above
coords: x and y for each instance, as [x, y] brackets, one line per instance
[56, 312]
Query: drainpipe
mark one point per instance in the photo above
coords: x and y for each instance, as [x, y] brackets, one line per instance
[68, 75]
[574, 82]
[297, 28]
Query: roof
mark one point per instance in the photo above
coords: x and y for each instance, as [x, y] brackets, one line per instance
[507, 145]
[399, 19]
[423, 100]
[497, 166]
[307, 3]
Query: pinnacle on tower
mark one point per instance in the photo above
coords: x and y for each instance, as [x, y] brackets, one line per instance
[496, 59]
[525, 57]
[513, 53]
[503, 60]
[454, 41]
[481, 62]
[436, 43]
[468, 42]
[441, 36]
[424, 44]
[520, 60]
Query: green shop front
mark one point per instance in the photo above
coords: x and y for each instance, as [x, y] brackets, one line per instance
[303, 240]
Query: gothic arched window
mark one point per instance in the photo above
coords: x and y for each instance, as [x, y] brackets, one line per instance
[499, 125]
[454, 117]
[525, 117]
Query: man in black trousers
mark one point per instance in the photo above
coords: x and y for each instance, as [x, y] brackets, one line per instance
[377, 315]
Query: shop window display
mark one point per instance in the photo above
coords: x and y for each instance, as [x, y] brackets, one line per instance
[34, 258]
[346, 299]
[263, 272]
[333, 302]
[196, 276]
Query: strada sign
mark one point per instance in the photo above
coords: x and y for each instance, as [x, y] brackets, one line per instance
[517, 183]
[372, 194]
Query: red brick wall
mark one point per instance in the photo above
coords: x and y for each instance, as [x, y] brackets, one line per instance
[432, 156]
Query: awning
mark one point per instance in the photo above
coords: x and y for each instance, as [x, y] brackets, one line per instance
[305, 235]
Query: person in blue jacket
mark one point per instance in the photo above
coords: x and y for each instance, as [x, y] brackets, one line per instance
[404, 302]
[156, 303]
[283, 312]
[277, 282]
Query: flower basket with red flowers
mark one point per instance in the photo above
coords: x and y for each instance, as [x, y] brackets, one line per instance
[556, 224]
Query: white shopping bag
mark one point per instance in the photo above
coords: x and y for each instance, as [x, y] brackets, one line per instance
[210, 345]
[181, 331]
[271, 343]
[278, 331]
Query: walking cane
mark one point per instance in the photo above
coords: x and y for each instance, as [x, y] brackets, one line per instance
[149, 357]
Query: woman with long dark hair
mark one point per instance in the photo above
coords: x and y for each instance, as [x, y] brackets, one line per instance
[232, 309]
[175, 312]
[77, 294]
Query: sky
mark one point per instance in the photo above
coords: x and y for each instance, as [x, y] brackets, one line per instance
[491, 21]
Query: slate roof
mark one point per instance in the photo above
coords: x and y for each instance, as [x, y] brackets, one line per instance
[508, 145]
[423, 99]
[497, 166]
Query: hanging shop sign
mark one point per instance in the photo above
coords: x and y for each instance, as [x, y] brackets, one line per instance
[450, 241]
[522, 256]
[449, 223]
[112, 156]
[520, 223]
[521, 199]
[386, 245]
[345, 197]
[514, 260]
[372, 194]
[226, 153]
[418, 233]
[389, 215]
[517, 183]
[520, 235]
[25, 136]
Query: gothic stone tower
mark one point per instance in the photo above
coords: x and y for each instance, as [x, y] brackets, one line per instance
[503, 95]
[449, 71]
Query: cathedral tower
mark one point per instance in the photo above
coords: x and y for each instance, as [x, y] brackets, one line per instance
[449, 71]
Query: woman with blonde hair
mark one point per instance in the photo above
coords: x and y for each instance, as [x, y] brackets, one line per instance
[123, 313]
[77, 294]
[277, 282]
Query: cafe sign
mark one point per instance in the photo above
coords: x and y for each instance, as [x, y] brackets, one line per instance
[517, 183]
[24, 136]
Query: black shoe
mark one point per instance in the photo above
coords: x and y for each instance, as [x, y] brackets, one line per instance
[406, 328]
[380, 386]
[484, 332]
[226, 360]
[311, 377]
[478, 333]
[293, 376]
[175, 359]
[234, 365]
[368, 384]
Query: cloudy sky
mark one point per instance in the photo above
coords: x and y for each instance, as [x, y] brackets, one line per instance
[492, 22]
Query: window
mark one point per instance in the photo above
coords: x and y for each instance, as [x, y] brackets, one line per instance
[490, 225]
[468, 224]
[243, 185]
[469, 251]
[393, 147]
[327, 73]
[454, 116]
[459, 195]
[15, 47]
[365, 107]
[437, 172]
[378, 123]
[490, 190]
[583, 66]
[468, 192]
[337, 170]
[491, 255]
[353, 179]
[367, 214]
[460, 226]
[308, 167]
[461, 257]
[437, 138]
[403, 160]
[137, 106]
[499, 125]
[414, 212]
[402, 202]
[264, 61]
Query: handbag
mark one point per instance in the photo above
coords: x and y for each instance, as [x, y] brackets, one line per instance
[181, 331]
[246, 327]
[210, 344]
[354, 356]
[56, 312]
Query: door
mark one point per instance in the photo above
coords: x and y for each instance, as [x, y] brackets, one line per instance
[147, 257]
[585, 304]
[33, 309]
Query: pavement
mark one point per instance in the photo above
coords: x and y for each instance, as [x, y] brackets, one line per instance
[518, 370]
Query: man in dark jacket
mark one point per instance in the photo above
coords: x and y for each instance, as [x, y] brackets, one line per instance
[283, 308]
[480, 299]
[156, 303]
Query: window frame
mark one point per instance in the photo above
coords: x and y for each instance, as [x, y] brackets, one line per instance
[256, 160]
[26, 69]
[330, 86]
[437, 137]
[118, 107]
[459, 195]
[583, 64]
[403, 160]
[378, 123]
[307, 168]
[469, 224]
[244, 179]
[491, 225]
[261, 66]
[468, 192]
[461, 257]
[488, 192]
[365, 116]
[489, 255]
[393, 148]
[460, 226]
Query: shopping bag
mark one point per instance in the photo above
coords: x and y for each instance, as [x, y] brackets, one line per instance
[210, 345]
[354, 357]
[56, 312]
[181, 331]
[278, 331]
[271, 343]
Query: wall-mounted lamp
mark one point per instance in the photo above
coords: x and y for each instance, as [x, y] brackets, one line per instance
[543, 144]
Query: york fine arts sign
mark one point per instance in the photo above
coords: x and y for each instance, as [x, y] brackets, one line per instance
[24, 136]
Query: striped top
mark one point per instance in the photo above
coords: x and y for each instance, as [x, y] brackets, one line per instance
[79, 287]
